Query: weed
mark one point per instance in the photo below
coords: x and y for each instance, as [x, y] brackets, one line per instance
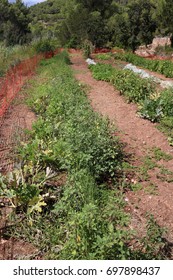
[147, 165]
[44, 46]
[9, 56]
[159, 154]
[104, 56]
[165, 175]
[136, 186]
[87, 48]
[154, 242]
[151, 189]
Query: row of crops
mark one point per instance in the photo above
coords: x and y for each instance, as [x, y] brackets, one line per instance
[164, 67]
[153, 103]
[68, 188]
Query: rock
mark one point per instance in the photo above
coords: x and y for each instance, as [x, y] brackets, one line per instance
[149, 51]
[161, 41]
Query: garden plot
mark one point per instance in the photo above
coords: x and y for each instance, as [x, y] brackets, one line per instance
[138, 135]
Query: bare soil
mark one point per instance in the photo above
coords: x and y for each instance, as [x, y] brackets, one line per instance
[12, 249]
[139, 137]
[16, 119]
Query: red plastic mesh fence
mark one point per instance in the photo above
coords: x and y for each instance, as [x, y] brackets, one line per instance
[12, 124]
[15, 78]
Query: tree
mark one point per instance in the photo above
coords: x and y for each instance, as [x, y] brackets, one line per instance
[14, 22]
[141, 24]
[85, 20]
[167, 18]
[20, 21]
[46, 18]
[4, 15]
[118, 25]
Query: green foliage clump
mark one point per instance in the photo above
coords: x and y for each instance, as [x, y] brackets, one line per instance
[151, 109]
[131, 85]
[14, 23]
[159, 108]
[10, 56]
[87, 48]
[44, 46]
[104, 56]
[92, 216]
[103, 72]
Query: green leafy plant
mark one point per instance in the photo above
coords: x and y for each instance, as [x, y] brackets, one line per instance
[159, 154]
[87, 48]
[154, 243]
[104, 56]
[151, 109]
[44, 46]
[129, 84]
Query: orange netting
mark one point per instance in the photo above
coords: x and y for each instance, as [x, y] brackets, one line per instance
[15, 78]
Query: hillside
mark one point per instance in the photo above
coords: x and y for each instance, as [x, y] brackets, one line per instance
[126, 24]
[45, 18]
[102, 23]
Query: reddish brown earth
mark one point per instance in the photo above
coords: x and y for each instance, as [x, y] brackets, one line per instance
[15, 117]
[139, 137]
[17, 249]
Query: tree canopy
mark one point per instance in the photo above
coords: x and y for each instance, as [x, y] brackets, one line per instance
[124, 23]
[14, 20]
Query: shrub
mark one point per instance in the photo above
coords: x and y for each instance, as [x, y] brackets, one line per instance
[151, 110]
[87, 48]
[44, 46]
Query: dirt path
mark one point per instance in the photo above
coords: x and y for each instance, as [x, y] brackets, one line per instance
[139, 136]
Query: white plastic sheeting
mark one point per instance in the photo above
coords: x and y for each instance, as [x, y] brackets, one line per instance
[145, 75]
[166, 84]
[90, 61]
